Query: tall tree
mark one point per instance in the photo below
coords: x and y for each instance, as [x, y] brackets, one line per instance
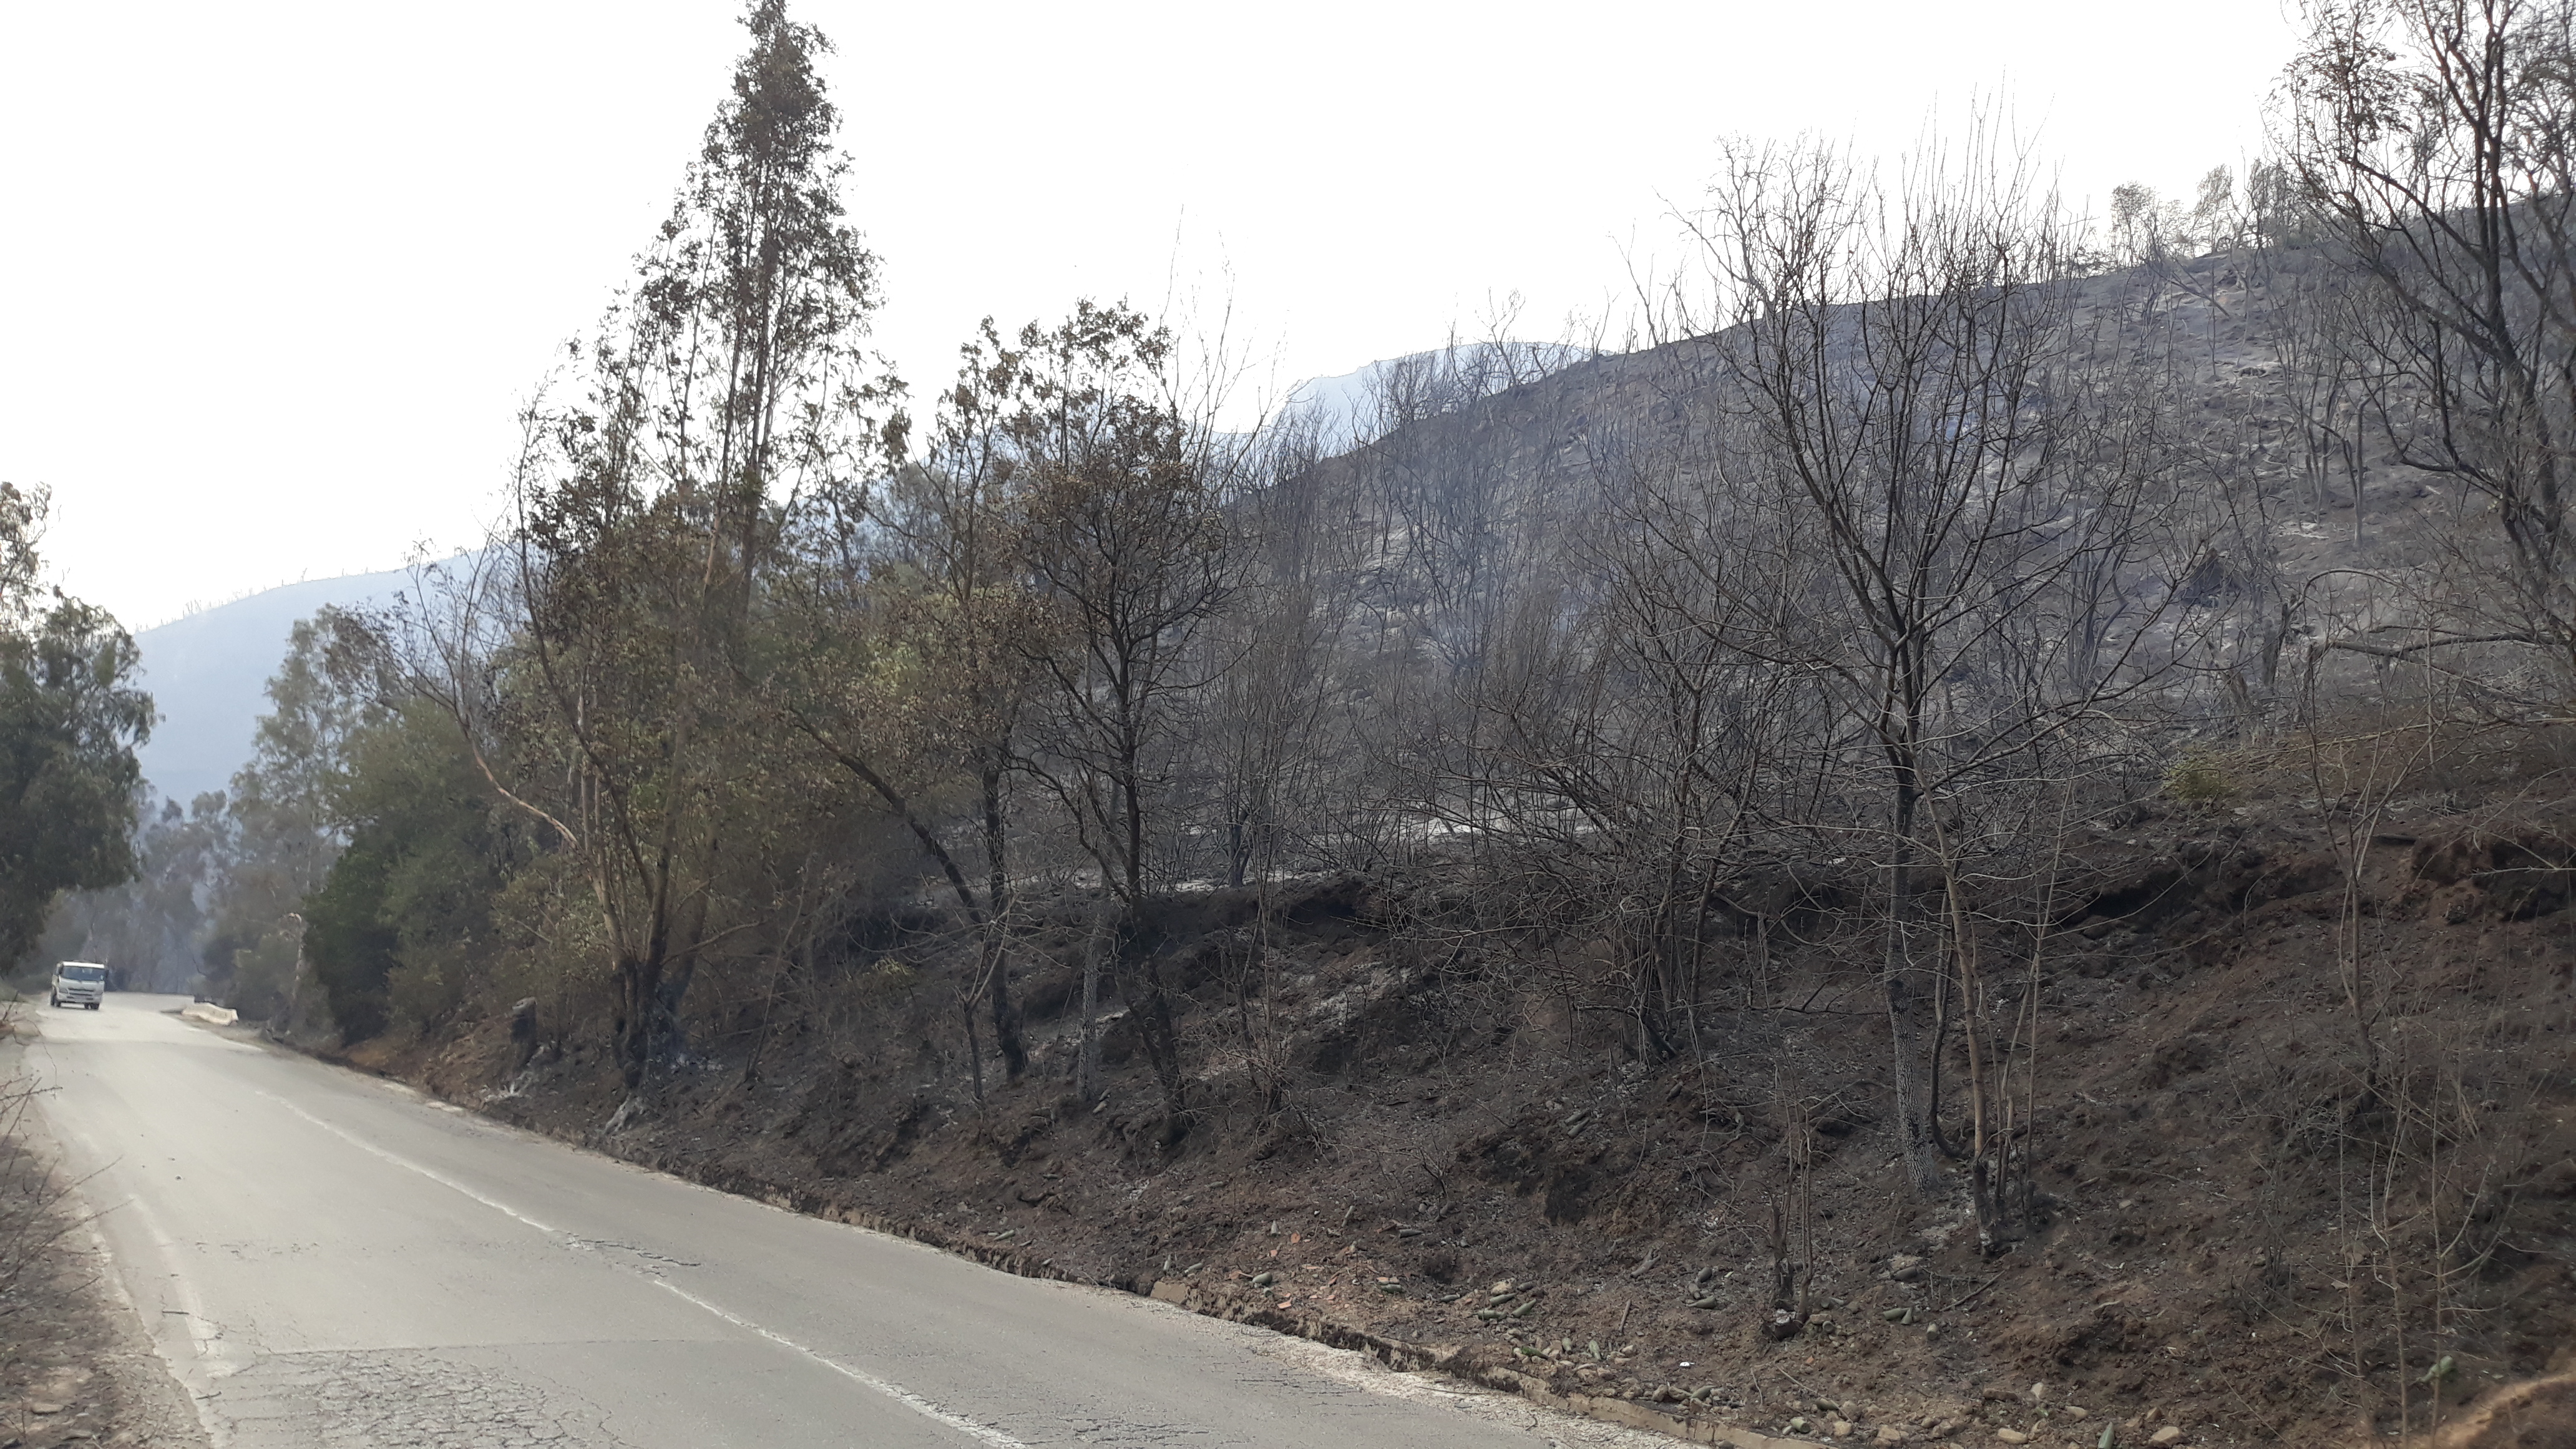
[1934, 445]
[1127, 546]
[282, 833]
[151, 929]
[404, 920]
[906, 652]
[70, 718]
[953, 524]
[732, 378]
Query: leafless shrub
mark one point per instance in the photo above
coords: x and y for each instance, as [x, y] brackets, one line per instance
[37, 1205]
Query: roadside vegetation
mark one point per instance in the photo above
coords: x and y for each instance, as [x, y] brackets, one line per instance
[1990, 805]
[70, 716]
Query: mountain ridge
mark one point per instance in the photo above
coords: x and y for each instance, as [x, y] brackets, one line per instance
[208, 673]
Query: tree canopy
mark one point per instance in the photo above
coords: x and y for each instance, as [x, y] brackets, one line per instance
[70, 717]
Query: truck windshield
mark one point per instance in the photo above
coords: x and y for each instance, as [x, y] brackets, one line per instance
[84, 973]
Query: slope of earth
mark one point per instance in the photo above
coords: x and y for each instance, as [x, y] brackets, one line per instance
[2300, 1126]
[2303, 524]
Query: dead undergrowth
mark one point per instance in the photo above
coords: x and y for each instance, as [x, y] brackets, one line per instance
[2300, 1156]
[74, 1364]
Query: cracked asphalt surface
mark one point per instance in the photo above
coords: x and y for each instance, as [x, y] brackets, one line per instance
[328, 1260]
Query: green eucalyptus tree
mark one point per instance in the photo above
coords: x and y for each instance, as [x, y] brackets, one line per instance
[731, 379]
[71, 715]
[283, 831]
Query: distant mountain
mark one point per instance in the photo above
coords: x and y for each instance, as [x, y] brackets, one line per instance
[208, 672]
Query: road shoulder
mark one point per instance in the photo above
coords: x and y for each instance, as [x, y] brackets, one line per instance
[76, 1365]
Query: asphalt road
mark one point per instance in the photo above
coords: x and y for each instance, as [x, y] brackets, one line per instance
[328, 1260]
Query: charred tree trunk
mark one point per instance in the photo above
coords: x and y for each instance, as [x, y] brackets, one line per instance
[1163, 1046]
[1896, 982]
[997, 947]
[1086, 1069]
[639, 999]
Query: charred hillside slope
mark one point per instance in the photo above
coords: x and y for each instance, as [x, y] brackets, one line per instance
[1873, 872]
[2297, 1114]
[2282, 495]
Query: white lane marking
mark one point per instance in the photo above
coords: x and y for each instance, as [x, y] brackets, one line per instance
[205, 1335]
[433, 1174]
[981, 1433]
[214, 1358]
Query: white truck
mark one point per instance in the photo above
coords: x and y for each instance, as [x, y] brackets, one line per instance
[79, 983]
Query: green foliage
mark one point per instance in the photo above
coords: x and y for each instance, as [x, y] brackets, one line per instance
[263, 972]
[285, 829]
[70, 717]
[149, 929]
[888, 980]
[348, 940]
[2199, 778]
[731, 379]
[548, 941]
[403, 922]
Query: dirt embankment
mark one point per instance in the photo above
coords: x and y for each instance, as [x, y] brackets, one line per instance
[2304, 1168]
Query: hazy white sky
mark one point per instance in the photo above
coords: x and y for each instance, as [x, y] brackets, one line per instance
[278, 272]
